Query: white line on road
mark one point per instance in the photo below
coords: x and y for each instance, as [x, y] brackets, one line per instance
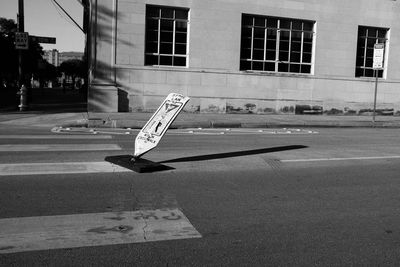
[54, 136]
[59, 168]
[341, 159]
[93, 229]
[59, 147]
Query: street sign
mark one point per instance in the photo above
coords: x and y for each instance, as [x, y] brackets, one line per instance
[43, 39]
[151, 134]
[21, 40]
[378, 56]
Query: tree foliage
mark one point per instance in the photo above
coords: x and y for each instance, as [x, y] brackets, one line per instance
[73, 68]
[9, 55]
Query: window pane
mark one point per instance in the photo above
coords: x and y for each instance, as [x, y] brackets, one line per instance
[258, 43]
[246, 43]
[181, 14]
[180, 61]
[308, 26]
[180, 49]
[151, 60]
[181, 38]
[152, 47]
[167, 13]
[167, 25]
[258, 54]
[372, 33]
[166, 60]
[165, 48]
[296, 46]
[259, 33]
[283, 46]
[271, 44]
[258, 65]
[152, 24]
[307, 47]
[247, 21]
[305, 69]
[166, 36]
[246, 32]
[285, 35]
[245, 53]
[269, 66]
[259, 22]
[271, 54]
[294, 57]
[283, 56]
[245, 65]
[294, 68]
[297, 25]
[181, 26]
[152, 12]
[359, 72]
[285, 24]
[369, 73]
[272, 23]
[283, 67]
[152, 36]
[306, 57]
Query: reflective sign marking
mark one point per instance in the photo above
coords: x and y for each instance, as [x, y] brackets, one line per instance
[93, 229]
[151, 134]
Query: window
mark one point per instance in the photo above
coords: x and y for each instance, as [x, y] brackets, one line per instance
[166, 36]
[276, 44]
[367, 38]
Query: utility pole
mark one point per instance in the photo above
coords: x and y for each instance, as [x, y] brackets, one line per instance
[21, 28]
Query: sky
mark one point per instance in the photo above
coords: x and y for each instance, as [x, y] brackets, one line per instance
[44, 18]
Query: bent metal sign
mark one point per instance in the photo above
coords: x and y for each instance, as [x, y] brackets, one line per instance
[151, 134]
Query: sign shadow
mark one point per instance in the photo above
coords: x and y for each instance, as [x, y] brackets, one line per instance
[146, 166]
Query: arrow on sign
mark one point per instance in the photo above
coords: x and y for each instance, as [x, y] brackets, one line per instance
[119, 229]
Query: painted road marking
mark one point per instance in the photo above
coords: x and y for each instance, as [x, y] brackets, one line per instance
[59, 147]
[194, 131]
[93, 229]
[59, 168]
[341, 159]
[55, 136]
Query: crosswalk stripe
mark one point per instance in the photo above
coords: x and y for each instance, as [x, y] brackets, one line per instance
[59, 168]
[54, 136]
[93, 229]
[58, 147]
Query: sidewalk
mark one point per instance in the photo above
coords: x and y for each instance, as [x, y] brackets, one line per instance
[53, 107]
[191, 120]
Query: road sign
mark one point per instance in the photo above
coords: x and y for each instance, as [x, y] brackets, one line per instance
[151, 134]
[43, 39]
[378, 56]
[22, 40]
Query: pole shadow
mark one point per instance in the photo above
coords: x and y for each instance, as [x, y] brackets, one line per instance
[147, 166]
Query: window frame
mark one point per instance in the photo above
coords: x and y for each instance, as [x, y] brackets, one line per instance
[159, 54]
[282, 61]
[368, 67]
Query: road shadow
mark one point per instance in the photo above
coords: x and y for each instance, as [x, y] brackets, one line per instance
[235, 154]
[138, 165]
[144, 165]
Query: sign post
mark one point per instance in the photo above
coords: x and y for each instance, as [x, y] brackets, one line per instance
[377, 65]
[151, 134]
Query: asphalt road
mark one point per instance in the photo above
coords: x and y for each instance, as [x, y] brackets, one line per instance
[268, 197]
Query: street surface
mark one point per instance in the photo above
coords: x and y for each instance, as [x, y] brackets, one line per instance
[203, 197]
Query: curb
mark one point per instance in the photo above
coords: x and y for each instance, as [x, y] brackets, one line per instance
[138, 124]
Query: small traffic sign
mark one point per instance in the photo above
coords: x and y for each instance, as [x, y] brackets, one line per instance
[378, 56]
[43, 39]
[151, 134]
[22, 40]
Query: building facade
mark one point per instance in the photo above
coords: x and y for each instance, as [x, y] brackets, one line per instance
[233, 56]
[52, 56]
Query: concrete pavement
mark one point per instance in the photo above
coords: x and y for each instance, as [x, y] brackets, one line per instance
[191, 120]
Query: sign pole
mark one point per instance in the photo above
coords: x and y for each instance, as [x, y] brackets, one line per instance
[379, 51]
[376, 92]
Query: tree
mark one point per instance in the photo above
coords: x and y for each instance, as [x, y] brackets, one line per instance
[73, 68]
[9, 55]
